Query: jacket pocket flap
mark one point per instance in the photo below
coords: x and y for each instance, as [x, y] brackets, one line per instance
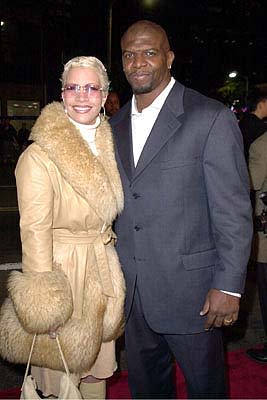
[168, 164]
[202, 259]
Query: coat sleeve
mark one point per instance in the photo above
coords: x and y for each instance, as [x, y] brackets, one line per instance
[258, 163]
[42, 297]
[35, 200]
[227, 186]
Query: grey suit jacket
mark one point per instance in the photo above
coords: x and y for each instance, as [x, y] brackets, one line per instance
[186, 226]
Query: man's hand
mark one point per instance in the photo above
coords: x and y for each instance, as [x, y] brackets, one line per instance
[220, 309]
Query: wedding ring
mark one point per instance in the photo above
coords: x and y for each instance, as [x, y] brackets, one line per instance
[228, 321]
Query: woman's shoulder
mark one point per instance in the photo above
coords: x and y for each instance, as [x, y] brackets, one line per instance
[34, 150]
[33, 155]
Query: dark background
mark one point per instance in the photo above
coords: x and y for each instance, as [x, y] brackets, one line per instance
[209, 37]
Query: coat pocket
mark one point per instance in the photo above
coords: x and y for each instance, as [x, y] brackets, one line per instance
[178, 163]
[203, 259]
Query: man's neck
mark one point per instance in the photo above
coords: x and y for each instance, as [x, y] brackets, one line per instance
[144, 100]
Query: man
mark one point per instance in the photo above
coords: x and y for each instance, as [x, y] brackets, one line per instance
[258, 174]
[23, 136]
[9, 140]
[112, 104]
[184, 234]
[252, 125]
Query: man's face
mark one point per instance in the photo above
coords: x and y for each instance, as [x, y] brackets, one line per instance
[146, 60]
[112, 104]
[264, 108]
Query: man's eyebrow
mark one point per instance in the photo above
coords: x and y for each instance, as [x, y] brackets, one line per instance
[140, 51]
[151, 48]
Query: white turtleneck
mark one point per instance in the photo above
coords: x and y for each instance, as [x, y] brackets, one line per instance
[88, 133]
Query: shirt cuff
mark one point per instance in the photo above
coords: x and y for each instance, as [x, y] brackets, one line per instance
[231, 293]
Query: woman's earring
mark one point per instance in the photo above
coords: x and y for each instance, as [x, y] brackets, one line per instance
[102, 112]
[64, 107]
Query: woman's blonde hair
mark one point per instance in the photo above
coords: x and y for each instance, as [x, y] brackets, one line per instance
[87, 62]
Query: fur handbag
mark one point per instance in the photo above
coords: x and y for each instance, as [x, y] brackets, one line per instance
[67, 388]
[41, 301]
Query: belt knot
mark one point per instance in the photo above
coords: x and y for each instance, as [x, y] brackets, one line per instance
[108, 235]
[105, 237]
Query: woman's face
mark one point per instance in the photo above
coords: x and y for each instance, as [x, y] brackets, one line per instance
[82, 95]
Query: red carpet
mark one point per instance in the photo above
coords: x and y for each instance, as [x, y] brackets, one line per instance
[247, 380]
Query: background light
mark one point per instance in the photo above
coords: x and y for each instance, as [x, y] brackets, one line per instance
[149, 3]
[232, 74]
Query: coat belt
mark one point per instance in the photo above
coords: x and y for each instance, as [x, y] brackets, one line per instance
[99, 239]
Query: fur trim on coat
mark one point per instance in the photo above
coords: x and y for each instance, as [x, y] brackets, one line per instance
[60, 139]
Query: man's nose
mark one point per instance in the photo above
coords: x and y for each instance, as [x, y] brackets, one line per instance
[139, 60]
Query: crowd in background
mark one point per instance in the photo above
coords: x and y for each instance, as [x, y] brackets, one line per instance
[12, 142]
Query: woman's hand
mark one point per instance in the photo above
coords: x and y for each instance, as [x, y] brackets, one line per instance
[53, 333]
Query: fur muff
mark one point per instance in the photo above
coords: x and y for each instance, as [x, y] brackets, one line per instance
[80, 338]
[42, 300]
[113, 323]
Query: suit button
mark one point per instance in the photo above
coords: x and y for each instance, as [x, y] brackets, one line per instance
[136, 195]
[137, 228]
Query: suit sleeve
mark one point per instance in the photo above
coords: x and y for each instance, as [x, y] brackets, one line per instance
[35, 200]
[227, 186]
[258, 164]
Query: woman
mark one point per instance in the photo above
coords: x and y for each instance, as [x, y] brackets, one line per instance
[69, 193]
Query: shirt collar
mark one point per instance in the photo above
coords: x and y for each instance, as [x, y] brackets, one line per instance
[86, 127]
[158, 102]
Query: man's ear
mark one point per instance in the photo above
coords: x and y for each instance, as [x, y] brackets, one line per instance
[170, 58]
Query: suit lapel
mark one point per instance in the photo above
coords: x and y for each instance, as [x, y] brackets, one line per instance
[123, 137]
[168, 122]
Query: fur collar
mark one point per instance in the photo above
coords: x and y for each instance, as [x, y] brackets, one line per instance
[96, 179]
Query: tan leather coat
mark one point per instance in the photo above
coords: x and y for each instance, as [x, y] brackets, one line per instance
[258, 176]
[68, 199]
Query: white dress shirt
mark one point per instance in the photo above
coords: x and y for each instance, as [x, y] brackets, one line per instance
[142, 122]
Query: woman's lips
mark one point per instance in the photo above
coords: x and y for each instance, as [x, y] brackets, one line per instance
[82, 109]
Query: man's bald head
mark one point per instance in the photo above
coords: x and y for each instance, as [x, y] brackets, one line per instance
[144, 26]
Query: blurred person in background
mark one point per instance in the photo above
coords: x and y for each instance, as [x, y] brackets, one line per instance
[112, 104]
[258, 176]
[10, 146]
[23, 136]
[252, 124]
